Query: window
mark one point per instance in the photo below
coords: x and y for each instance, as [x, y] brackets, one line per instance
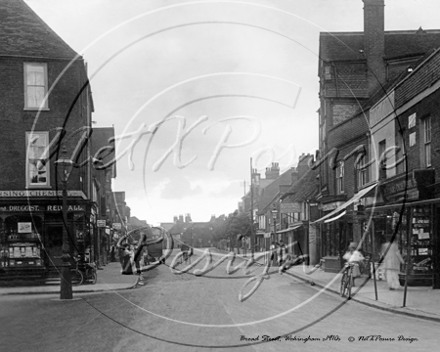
[412, 139]
[35, 85]
[400, 156]
[327, 72]
[412, 121]
[362, 172]
[427, 140]
[383, 159]
[36, 168]
[340, 178]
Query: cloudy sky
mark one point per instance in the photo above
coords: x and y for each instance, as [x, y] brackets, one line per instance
[218, 82]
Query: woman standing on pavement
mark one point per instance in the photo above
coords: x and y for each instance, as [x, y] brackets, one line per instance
[391, 263]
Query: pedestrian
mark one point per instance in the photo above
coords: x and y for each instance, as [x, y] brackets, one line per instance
[281, 253]
[391, 263]
[112, 253]
[272, 251]
[354, 256]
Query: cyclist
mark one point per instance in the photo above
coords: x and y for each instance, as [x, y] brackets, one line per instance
[354, 256]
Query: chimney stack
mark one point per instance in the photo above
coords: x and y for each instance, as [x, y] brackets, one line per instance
[374, 43]
[273, 172]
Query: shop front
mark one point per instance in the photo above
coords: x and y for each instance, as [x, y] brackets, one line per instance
[408, 217]
[31, 236]
[341, 225]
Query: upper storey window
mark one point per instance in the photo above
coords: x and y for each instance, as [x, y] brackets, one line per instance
[37, 169]
[35, 85]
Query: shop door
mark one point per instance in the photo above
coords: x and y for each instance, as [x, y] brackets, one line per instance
[54, 243]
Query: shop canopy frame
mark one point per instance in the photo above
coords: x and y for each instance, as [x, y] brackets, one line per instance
[336, 214]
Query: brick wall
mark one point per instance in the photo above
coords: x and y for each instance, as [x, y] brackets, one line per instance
[419, 80]
[15, 121]
[430, 106]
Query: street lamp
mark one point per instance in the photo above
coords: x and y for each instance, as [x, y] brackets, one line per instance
[65, 168]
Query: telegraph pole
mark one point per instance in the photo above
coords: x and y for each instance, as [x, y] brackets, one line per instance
[252, 214]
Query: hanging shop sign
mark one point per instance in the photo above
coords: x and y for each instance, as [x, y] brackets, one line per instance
[101, 223]
[331, 206]
[117, 225]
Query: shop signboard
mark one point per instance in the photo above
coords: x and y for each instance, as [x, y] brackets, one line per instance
[287, 208]
[101, 223]
[409, 187]
[117, 225]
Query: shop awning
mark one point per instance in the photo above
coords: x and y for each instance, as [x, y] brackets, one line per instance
[290, 228]
[336, 217]
[335, 214]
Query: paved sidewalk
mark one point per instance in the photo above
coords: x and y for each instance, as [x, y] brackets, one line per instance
[109, 279]
[421, 301]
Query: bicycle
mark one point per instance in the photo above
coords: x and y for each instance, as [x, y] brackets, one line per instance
[347, 280]
[83, 272]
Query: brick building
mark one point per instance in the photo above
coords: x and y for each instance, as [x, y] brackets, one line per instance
[355, 70]
[408, 204]
[45, 103]
[104, 170]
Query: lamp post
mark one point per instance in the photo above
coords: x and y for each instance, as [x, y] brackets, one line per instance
[65, 168]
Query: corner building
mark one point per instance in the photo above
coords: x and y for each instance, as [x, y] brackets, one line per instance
[45, 103]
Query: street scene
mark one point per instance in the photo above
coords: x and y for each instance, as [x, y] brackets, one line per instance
[219, 175]
[185, 312]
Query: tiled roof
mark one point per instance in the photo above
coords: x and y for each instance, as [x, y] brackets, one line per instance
[23, 33]
[304, 188]
[343, 46]
[270, 192]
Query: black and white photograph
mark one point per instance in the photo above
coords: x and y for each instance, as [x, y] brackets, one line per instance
[219, 175]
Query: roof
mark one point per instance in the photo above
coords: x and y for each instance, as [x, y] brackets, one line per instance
[24, 33]
[304, 188]
[349, 64]
[270, 192]
[343, 46]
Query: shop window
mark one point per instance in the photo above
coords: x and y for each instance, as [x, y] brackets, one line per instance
[340, 178]
[35, 85]
[427, 141]
[37, 171]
